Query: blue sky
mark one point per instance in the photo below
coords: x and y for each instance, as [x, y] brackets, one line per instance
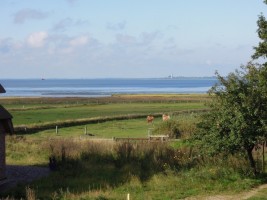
[119, 38]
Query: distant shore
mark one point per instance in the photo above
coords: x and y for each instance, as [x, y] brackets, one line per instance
[95, 88]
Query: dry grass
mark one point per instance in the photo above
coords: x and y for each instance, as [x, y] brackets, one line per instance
[30, 194]
[112, 99]
[110, 170]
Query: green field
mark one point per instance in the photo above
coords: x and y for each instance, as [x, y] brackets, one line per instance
[96, 168]
[36, 116]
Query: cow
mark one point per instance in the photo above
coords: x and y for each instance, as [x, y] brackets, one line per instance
[165, 117]
[150, 118]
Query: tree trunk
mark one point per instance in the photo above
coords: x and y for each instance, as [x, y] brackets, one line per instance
[251, 160]
[263, 157]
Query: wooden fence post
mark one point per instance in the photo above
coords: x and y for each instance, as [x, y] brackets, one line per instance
[85, 130]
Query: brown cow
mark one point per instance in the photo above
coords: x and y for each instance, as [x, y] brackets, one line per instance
[149, 119]
[165, 117]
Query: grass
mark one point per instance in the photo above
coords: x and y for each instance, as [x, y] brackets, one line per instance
[25, 151]
[125, 128]
[110, 172]
[41, 110]
[118, 128]
[98, 170]
[32, 149]
[261, 195]
[40, 116]
[163, 186]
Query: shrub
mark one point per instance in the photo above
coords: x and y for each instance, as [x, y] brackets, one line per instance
[170, 127]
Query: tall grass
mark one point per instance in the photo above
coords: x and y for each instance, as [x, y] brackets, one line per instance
[21, 150]
[110, 170]
[180, 126]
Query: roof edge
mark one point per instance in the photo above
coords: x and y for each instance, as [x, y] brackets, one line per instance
[2, 89]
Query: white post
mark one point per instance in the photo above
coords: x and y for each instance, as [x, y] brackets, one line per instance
[128, 196]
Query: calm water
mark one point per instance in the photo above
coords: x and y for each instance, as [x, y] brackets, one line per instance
[103, 87]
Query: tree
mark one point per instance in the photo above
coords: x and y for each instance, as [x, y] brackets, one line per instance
[261, 49]
[237, 121]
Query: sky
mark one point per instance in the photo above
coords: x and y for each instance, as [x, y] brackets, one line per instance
[126, 39]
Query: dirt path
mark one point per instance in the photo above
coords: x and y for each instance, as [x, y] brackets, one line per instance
[240, 196]
[22, 174]
[254, 191]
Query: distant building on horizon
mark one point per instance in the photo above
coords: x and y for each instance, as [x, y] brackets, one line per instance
[171, 76]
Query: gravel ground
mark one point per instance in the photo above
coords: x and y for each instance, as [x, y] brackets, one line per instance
[22, 174]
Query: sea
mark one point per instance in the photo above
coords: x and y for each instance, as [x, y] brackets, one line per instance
[104, 87]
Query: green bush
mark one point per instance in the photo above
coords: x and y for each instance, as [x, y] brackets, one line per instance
[169, 127]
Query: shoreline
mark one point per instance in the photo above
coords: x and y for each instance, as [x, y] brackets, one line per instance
[96, 88]
[163, 95]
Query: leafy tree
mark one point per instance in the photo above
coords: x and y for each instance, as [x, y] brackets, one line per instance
[237, 121]
[261, 50]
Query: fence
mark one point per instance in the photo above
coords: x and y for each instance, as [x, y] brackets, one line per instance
[28, 129]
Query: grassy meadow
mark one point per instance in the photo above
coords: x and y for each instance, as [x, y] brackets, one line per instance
[37, 110]
[93, 166]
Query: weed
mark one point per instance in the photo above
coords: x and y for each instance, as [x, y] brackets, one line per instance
[169, 127]
[30, 194]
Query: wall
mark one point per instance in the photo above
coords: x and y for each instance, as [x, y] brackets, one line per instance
[2, 154]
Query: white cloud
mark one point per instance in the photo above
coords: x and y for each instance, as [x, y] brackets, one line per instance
[79, 41]
[208, 62]
[66, 23]
[26, 14]
[8, 45]
[37, 39]
[148, 38]
[66, 50]
[63, 24]
[126, 55]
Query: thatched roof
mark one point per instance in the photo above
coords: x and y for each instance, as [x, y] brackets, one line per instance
[2, 90]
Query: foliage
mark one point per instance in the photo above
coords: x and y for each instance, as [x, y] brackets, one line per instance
[238, 117]
[261, 49]
[187, 124]
[144, 159]
[169, 127]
